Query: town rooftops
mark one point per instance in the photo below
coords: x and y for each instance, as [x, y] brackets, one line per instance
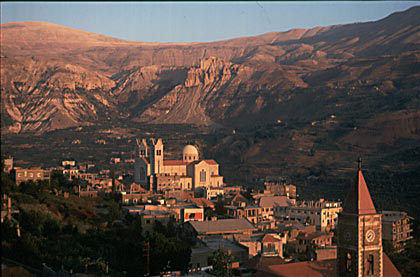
[222, 226]
[358, 200]
[317, 268]
[275, 201]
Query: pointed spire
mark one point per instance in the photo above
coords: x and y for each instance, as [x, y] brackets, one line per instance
[358, 200]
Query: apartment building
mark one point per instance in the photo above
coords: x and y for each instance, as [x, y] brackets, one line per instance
[323, 214]
[396, 229]
[31, 174]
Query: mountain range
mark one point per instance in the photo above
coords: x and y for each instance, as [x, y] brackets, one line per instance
[55, 77]
[303, 104]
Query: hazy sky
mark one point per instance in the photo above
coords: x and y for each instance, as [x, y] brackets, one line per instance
[196, 21]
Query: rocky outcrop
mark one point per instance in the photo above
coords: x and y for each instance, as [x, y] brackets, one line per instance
[211, 70]
[41, 95]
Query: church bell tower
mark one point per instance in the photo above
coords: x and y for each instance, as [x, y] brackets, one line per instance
[156, 156]
[359, 248]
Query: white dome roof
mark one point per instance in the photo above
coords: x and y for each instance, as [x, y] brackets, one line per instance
[190, 150]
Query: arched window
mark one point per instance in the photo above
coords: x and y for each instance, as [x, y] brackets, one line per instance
[202, 175]
[370, 266]
[348, 262]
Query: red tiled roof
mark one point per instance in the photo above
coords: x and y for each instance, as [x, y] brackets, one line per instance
[222, 226]
[211, 162]
[202, 202]
[312, 269]
[240, 197]
[358, 200]
[174, 162]
[317, 268]
[269, 238]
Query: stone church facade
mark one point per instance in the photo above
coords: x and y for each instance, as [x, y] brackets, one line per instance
[155, 173]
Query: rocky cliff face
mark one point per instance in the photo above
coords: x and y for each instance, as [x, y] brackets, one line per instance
[57, 77]
[40, 95]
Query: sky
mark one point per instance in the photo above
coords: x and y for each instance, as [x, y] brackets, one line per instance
[197, 21]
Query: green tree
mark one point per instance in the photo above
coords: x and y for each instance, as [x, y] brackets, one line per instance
[221, 262]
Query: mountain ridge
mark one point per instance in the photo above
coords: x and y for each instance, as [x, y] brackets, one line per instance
[147, 82]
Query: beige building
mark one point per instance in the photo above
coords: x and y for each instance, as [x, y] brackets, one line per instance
[69, 163]
[31, 174]
[251, 213]
[323, 214]
[396, 229]
[280, 189]
[310, 241]
[151, 170]
[8, 165]
[214, 192]
[226, 228]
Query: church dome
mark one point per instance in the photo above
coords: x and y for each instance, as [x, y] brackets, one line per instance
[190, 153]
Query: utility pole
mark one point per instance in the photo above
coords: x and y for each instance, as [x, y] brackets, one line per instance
[147, 255]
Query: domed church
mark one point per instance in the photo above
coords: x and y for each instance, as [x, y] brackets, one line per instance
[155, 173]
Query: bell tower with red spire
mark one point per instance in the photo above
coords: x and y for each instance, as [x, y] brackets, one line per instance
[359, 247]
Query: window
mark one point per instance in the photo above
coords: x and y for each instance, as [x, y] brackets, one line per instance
[370, 266]
[158, 152]
[142, 153]
[202, 175]
[348, 262]
[38, 175]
